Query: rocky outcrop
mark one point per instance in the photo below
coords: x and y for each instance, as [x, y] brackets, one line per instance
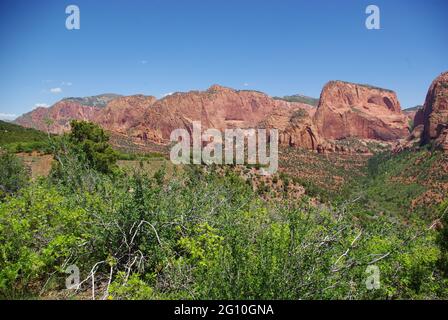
[419, 118]
[345, 110]
[147, 119]
[219, 107]
[124, 113]
[56, 119]
[435, 113]
[365, 112]
[296, 128]
[414, 115]
[430, 121]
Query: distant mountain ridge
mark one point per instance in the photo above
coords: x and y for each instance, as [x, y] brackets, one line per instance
[300, 98]
[412, 109]
[99, 101]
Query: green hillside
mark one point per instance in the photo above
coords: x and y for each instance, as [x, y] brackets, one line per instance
[17, 138]
[409, 185]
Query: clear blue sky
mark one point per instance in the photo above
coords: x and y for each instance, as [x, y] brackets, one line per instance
[160, 46]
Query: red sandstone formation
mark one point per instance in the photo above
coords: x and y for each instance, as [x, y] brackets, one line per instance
[345, 110]
[353, 110]
[435, 113]
[56, 119]
[431, 121]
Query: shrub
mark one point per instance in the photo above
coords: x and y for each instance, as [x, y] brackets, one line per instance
[39, 232]
[129, 288]
[13, 175]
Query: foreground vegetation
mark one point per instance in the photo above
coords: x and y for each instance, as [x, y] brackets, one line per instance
[200, 234]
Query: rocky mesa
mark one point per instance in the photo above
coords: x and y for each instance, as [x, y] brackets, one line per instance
[146, 118]
[344, 110]
[353, 110]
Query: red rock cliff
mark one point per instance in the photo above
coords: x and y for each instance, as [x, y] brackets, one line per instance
[353, 110]
[345, 110]
[435, 112]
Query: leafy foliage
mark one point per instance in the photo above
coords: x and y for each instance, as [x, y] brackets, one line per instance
[203, 235]
[38, 230]
[13, 175]
[395, 183]
[93, 142]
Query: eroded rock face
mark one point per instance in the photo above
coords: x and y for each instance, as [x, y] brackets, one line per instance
[218, 107]
[419, 118]
[431, 121]
[353, 110]
[442, 139]
[146, 118]
[56, 119]
[414, 115]
[435, 112]
[296, 128]
[124, 113]
[346, 110]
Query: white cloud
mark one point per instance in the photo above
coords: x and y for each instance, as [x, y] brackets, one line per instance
[68, 84]
[245, 84]
[7, 116]
[167, 94]
[55, 90]
[41, 105]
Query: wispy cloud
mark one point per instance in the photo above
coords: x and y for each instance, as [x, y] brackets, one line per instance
[55, 90]
[41, 105]
[144, 61]
[245, 84]
[167, 94]
[68, 84]
[7, 116]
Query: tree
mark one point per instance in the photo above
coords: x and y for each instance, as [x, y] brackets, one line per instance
[94, 143]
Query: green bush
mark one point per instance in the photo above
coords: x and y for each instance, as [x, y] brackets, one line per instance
[131, 288]
[91, 139]
[39, 232]
[13, 175]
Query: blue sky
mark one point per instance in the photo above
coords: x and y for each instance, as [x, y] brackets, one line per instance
[156, 47]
